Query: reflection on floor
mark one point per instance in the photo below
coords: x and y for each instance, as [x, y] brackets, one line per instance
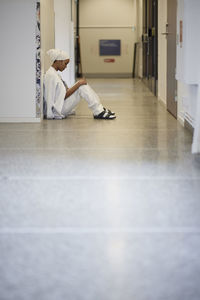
[100, 210]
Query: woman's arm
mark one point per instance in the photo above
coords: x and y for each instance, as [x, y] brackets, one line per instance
[75, 87]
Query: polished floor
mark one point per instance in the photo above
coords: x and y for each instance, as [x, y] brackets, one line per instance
[100, 210]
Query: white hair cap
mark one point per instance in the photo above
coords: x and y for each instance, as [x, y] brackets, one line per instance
[57, 54]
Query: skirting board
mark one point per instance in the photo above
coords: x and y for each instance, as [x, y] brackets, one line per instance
[19, 120]
[188, 126]
[161, 101]
[181, 121]
[179, 118]
[107, 75]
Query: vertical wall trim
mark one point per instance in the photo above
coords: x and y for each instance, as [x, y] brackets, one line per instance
[38, 61]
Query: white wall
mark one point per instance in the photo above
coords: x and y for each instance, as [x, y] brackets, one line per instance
[162, 51]
[188, 62]
[107, 19]
[188, 52]
[17, 52]
[64, 36]
[188, 66]
[187, 97]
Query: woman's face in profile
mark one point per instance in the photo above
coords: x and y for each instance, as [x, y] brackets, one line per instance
[63, 64]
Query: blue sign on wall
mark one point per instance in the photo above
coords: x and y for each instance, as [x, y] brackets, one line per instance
[110, 47]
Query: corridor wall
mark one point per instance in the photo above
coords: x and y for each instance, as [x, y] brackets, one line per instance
[188, 65]
[64, 35]
[47, 22]
[47, 31]
[107, 20]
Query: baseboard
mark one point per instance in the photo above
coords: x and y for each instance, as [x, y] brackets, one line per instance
[181, 121]
[19, 120]
[188, 126]
[108, 75]
[161, 101]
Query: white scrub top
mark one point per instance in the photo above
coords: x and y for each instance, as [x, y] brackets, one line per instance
[54, 94]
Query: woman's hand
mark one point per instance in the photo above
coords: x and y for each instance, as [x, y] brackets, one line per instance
[75, 87]
[82, 81]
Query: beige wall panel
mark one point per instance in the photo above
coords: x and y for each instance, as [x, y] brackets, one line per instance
[106, 12]
[47, 31]
[64, 35]
[92, 62]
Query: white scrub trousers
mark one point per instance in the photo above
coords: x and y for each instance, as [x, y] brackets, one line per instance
[86, 92]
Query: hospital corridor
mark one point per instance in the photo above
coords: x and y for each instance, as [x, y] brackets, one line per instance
[100, 209]
[99, 150]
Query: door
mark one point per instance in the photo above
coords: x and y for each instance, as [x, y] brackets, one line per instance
[171, 56]
[150, 43]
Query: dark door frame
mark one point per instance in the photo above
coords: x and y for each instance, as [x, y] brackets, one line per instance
[78, 69]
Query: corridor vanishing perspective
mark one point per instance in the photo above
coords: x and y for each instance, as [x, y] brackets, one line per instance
[100, 209]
